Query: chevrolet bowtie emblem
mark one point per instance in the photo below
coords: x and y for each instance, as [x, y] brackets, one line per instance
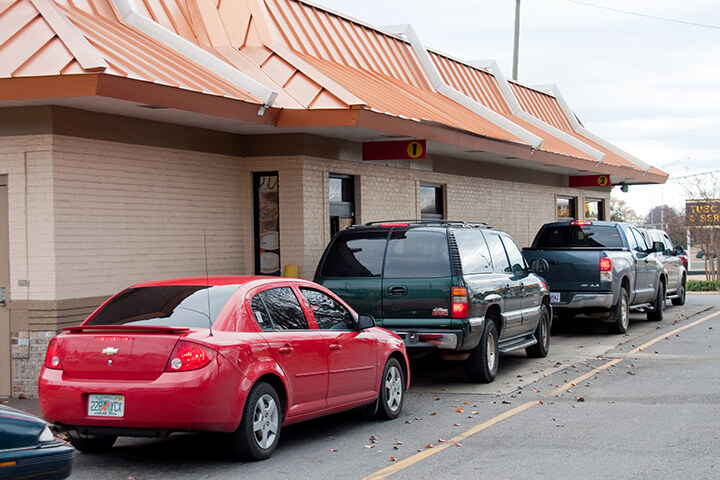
[110, 351]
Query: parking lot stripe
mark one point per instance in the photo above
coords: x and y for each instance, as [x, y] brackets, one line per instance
[418, 457]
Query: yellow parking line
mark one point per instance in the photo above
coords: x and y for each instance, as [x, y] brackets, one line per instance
[419, 457]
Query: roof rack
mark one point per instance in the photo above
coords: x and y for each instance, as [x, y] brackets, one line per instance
[453, 223]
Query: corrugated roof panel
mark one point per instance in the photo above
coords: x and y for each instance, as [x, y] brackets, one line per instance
[386, 94]
[278, 69]
[24, 45]
[302, 88]
[52, 57]
[542, 106]
[476, 84]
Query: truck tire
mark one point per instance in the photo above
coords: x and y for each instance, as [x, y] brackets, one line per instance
[620, 314]
[656, 314]
[542, 334]
[681, 293]
[482, 365]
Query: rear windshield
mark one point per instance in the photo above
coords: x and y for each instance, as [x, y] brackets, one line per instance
[357, 254]
[417, 254]
[593, 236]
[174, 306]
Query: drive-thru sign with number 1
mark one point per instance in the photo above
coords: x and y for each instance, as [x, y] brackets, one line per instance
[394, 150]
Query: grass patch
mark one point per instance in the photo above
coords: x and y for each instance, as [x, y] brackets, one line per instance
[703, 285]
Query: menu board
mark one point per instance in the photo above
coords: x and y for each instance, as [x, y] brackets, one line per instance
[267, 224]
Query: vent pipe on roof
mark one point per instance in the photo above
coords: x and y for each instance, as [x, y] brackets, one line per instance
[443, 88]
[129, 14]
[553, 90]
[518, 111]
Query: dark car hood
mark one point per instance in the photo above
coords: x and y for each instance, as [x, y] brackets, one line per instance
[18, 429]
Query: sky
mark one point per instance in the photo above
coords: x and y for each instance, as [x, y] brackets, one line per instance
[642, 74]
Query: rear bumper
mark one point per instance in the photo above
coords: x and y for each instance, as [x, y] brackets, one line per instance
[442, 338]
[579, 301]
[175, 401]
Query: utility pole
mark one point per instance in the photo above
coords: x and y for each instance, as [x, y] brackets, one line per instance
[516, 45]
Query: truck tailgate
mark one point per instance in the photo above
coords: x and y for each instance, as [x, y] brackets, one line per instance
[570, 270]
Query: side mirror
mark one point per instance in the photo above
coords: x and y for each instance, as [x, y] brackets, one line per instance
[539, 265]
[365, 321]
[658, 247]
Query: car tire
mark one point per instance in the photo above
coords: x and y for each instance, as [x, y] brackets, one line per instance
[656, 314]
[91, 443]
[542, 334]
[482, 365]
[620, 314]
[259, 432]
[681, 294]
[392, 390]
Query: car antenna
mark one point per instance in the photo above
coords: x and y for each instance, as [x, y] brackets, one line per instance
[207, 282]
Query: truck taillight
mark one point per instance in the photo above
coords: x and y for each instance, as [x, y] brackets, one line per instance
[52, 360]
[605, 265]
[605, 269]
[459, 302]
[189, 356]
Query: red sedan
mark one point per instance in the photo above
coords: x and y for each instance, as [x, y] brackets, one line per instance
[242, 355]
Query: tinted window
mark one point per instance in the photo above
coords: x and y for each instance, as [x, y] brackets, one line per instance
[474, 252]
[596, 236]
[639, 239]
[497, 251]
[514, 254]
[417, 254]
[356, 254]
[328, 313]
[176, 306]
[280, 308]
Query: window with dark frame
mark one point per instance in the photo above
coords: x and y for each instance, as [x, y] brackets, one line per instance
[594, 209]
[341, 195]
[566, 208]
[432, 204]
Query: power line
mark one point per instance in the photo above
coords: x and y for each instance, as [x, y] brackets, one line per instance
[696, 175]
[664, 19]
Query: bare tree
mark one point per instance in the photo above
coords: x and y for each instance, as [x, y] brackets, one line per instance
[620, 211]
[668, 219]
[703, 218]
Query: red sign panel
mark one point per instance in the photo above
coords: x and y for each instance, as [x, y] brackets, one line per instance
[589, 181]
[394, 150]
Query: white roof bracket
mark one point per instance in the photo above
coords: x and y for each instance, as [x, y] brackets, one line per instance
[444, 89]
[555, 91]
[129, 13]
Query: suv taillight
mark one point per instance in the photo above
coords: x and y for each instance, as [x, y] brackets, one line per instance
[52, 360]
[189, 356]
[459, 302]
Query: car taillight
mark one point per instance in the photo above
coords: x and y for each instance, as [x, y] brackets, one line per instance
[605, 264]
[459, 302]
[52, 360]
[189, 356]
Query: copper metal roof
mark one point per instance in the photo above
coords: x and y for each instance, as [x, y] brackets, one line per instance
[314, 67]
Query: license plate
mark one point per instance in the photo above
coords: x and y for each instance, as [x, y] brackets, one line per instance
[554, 297]
[106, 405]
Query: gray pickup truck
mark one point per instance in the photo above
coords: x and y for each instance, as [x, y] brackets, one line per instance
[600, 269]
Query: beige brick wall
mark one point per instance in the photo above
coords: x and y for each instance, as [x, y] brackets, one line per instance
[134, 213]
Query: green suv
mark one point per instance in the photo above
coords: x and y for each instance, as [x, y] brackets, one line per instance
[460, 288]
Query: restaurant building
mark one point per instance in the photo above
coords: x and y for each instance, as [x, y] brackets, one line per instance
[154, 139]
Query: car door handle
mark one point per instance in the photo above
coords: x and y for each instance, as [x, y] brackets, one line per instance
[286, 350]
[335, 346]
[397, 291]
